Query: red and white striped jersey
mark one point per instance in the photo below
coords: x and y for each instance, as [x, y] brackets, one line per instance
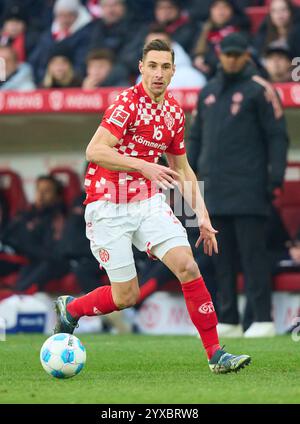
[145, 130]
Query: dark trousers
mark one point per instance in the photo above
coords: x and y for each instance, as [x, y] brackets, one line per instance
[88, 273]
[243, 237]
[41, 273]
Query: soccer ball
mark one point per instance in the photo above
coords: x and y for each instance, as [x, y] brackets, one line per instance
[63, 355]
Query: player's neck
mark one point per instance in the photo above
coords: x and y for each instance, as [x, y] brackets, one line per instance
[156, 99]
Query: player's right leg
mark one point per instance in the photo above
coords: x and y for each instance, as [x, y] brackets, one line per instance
[101, 301]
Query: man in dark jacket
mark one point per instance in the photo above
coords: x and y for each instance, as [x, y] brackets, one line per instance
[71, 30]
[238, 145]
[113, 29]
[35, 234]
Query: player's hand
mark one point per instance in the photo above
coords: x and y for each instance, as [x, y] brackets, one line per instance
[208, 236]
[162, 176]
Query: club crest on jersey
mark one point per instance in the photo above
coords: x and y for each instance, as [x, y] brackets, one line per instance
[169, 121]
[119, 117]
[104, 255]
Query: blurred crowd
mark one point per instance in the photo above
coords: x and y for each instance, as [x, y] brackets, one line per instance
[97, 43]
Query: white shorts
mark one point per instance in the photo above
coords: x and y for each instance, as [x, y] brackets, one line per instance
[148, 225]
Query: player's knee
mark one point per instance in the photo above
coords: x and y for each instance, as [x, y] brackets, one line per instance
[187, 269]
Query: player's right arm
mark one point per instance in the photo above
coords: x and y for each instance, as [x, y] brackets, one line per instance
[101, 151]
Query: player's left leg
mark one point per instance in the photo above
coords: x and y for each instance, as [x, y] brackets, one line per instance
[181, 262]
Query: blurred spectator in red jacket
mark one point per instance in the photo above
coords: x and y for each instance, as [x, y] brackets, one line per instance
[177, 23]
[201, 11]
[15, 32]
[224, 18]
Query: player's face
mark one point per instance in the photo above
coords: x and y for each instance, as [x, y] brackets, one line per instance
[233, 63]
[157, 70]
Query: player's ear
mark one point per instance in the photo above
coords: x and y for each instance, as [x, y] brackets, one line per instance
[141, 65]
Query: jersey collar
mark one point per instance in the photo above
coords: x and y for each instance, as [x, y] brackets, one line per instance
[142, 93]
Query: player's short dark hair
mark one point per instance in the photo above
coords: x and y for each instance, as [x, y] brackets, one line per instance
[58, 186]
[159, 46]
[100, 54]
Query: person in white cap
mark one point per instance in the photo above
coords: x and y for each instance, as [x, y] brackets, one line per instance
[71, 28]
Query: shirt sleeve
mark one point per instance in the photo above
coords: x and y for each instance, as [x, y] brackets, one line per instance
[118, 117]
[177, 147]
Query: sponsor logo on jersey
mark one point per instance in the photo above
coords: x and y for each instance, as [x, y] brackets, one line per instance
[141, 140]
[206, 308]
[119, 117]
[96, 311]
[146, 117]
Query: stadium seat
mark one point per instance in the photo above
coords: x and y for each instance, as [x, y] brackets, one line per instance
[70, 181]
[256, 15]
[12, 187]
[66, 285]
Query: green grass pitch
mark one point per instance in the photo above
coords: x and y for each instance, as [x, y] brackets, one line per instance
[135, 369]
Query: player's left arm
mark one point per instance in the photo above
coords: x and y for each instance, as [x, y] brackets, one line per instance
[189, 188]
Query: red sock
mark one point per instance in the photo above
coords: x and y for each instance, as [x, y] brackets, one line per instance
[97, 302]
[147, 288]
[202, 313]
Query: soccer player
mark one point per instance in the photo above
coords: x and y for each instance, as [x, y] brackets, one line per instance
[125, 206]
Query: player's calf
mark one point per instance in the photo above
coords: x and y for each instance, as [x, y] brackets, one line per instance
[126, 301]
